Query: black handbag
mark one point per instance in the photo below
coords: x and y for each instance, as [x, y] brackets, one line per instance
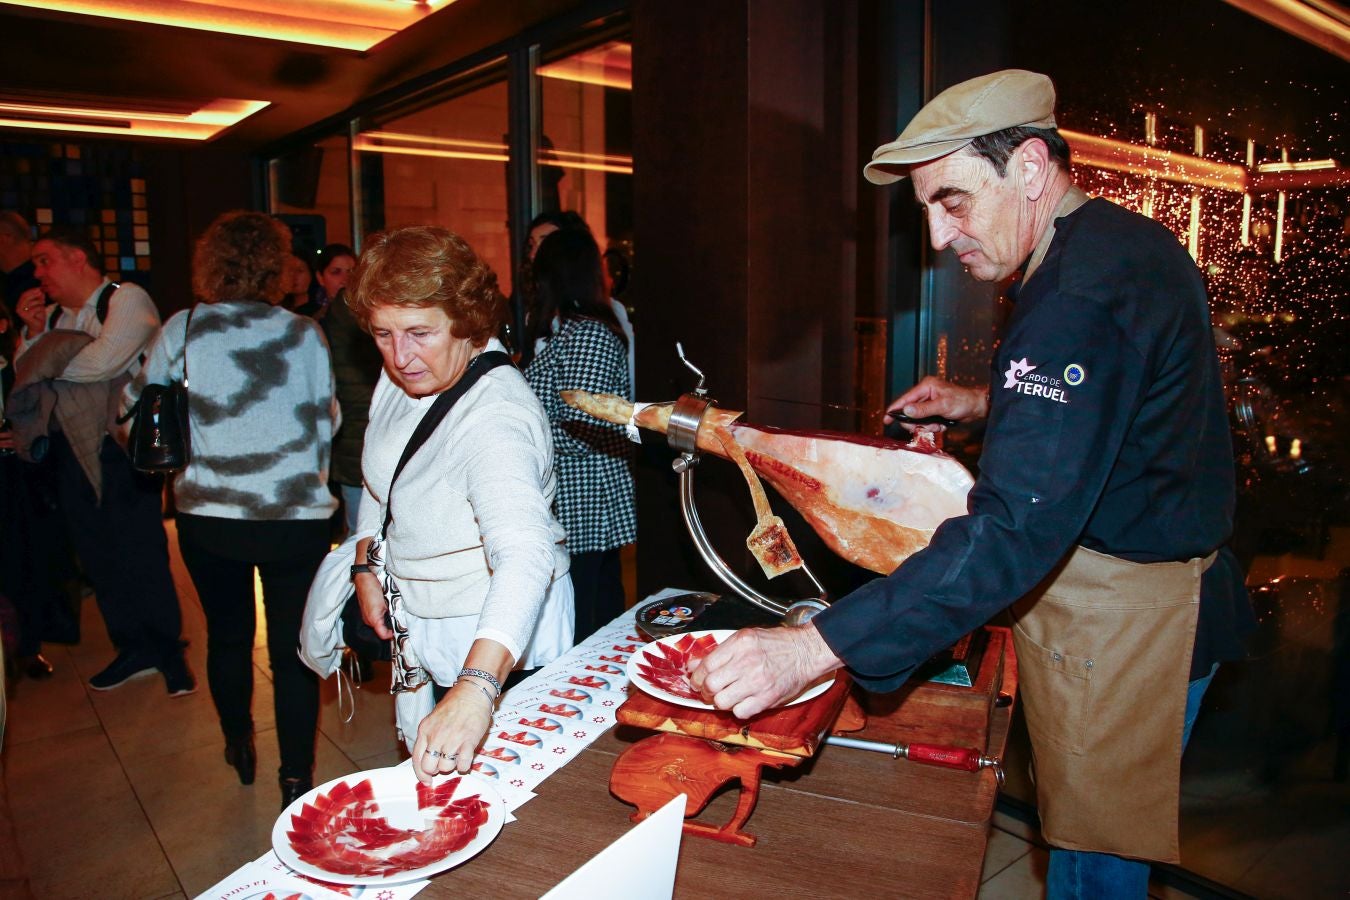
[160, 440]
[356, 634]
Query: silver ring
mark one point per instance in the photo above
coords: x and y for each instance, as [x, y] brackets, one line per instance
[434, 754]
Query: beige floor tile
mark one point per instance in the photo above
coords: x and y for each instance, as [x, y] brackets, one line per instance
[58, 705]
[194, 793]
[382, 760]
[371, 729]
[1023, 879]
[1311, 863]
[1003, 850]
[1015, 827]
[83, 834]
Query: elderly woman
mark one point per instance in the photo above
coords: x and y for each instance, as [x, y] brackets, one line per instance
[255, 495]
[473, 562]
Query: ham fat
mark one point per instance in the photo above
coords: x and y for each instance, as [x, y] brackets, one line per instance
[873, 501]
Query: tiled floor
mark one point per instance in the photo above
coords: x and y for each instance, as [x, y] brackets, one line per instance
[125, 794]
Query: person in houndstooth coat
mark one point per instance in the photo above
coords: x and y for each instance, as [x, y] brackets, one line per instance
[580, 346]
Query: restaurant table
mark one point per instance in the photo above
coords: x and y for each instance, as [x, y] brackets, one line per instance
[847, 823]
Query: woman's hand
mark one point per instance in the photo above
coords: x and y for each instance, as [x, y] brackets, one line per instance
[448, 737]
[374, 608]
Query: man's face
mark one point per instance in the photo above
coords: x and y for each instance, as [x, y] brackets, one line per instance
[986, 220]
[62, 272]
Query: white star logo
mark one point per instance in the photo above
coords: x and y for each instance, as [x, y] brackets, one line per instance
[1016, 369]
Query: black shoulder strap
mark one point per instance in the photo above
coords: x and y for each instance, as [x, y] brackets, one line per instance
[478, 367]
[100, 306]
[104, 298]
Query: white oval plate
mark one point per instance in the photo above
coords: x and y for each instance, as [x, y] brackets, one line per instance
[394, 793]
[651, 656]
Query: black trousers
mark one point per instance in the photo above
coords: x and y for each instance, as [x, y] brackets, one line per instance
[221, 555]
[597, 581]
[122, 546]
[36, 566]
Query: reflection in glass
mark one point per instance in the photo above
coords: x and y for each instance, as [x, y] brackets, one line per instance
[443, 162]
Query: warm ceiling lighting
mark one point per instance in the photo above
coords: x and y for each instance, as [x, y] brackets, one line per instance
[456, 148]
[199, 124]
[1318, 22]
[346, 24]
[1307, 165]
[1121, 156]
[610, 65]
[1150, 162]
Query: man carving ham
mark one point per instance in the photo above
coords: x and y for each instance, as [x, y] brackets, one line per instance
[1104, 501]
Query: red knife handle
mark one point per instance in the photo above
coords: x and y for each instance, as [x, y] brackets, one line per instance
[966, 758]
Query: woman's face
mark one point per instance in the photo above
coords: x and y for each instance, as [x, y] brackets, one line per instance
[419, 351]
[334, 275]
[294, 275]
[537, 235]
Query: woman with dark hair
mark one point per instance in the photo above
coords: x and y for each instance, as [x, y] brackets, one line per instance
[458, 546]
[332, 268]
[255, 494]
[583, 348]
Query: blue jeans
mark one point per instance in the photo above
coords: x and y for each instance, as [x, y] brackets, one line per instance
[1080, 875]
[351, 499]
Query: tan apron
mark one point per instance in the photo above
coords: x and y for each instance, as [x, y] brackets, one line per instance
[1104, 657]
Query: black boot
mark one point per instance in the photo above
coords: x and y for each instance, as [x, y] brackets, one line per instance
[293, 789]
[240, 753]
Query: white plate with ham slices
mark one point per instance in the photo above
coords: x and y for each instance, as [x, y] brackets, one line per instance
[661, 668]
[385, 827]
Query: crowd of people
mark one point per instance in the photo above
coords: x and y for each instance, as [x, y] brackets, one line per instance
[369, 395]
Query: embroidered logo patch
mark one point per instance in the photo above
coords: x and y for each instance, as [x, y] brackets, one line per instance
[1016, 369]
[1023, 378]
[1074, 374]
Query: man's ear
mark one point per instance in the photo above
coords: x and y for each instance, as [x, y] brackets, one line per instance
[1033, 158]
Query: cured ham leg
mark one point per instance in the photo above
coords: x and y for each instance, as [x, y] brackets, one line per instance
[873, 501]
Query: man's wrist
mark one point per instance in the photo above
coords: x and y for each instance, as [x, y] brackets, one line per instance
[819, 658]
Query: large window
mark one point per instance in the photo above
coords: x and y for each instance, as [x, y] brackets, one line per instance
[585, 154]
[443, 162]
[545, 126]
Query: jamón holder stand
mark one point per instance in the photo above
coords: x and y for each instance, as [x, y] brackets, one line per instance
[695, 752]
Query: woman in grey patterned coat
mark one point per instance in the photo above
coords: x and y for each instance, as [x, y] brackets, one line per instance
[583, 349]
[255, 494]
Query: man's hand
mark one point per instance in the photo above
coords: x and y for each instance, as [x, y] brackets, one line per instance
[758, 668]
[8, 441]
[32, 311]
[935, 397]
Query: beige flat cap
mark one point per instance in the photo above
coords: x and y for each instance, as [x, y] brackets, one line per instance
[961, 113]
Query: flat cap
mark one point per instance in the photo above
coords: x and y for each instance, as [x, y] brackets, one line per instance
[963, 112]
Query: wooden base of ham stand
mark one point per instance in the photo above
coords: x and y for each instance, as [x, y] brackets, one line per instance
[697, 751]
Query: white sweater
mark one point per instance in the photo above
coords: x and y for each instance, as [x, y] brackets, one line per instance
[472, 532]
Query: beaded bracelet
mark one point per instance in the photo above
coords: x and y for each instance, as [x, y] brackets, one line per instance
[486, 676]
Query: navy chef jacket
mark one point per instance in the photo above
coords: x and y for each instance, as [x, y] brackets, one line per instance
[1107, 428]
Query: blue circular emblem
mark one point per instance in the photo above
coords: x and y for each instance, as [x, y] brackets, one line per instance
[1074, 374]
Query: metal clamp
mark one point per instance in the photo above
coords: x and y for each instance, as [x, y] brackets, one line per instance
[682, 435]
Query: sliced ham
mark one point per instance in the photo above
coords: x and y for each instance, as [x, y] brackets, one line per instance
[873, 501]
